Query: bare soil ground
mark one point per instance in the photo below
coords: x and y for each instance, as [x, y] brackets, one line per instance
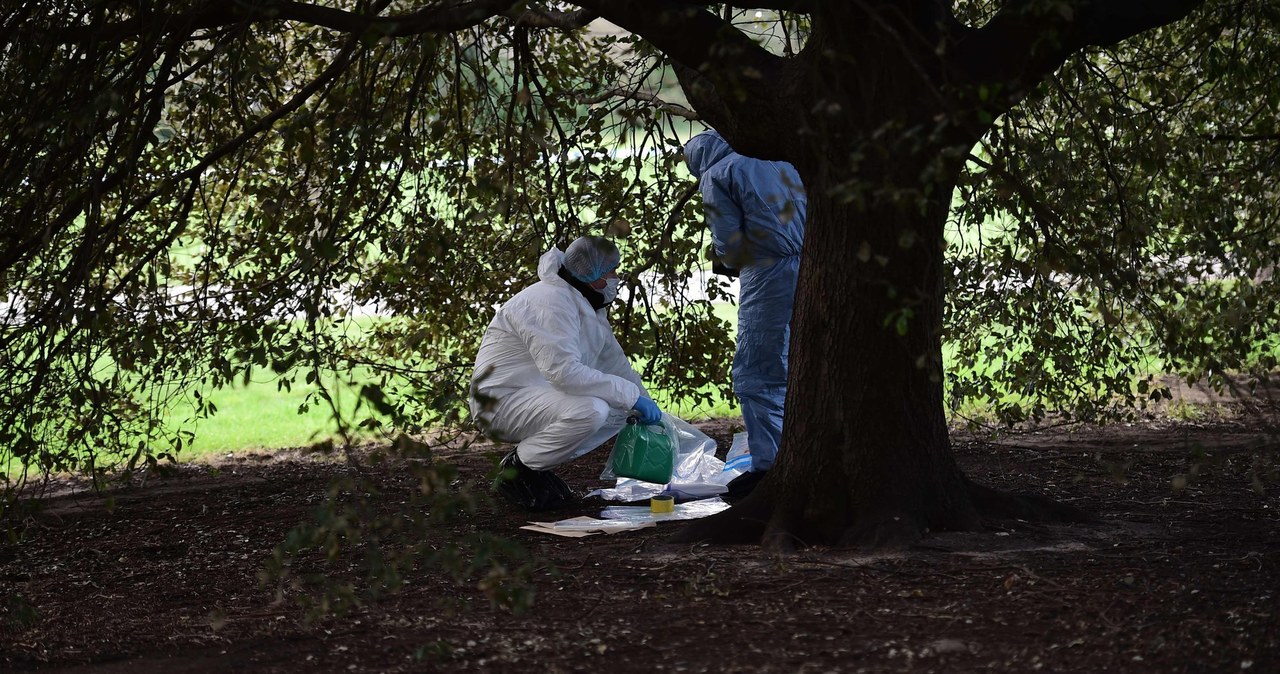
[1181, 575]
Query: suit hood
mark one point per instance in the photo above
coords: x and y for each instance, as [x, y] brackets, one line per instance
[704, 151]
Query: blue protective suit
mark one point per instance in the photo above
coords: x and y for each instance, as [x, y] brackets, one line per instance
[756, 212]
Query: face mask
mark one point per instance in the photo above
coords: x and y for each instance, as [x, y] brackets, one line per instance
[610, 289]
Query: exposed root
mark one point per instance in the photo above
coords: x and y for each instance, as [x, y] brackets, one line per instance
[753, 521]
[780, 540]
[882, 531]
[996, 504]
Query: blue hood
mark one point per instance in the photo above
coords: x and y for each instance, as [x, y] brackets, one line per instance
[704, 150]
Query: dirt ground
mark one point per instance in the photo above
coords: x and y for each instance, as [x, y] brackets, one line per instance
[1181, 575]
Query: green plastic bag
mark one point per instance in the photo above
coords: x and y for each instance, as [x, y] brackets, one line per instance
[644, 452]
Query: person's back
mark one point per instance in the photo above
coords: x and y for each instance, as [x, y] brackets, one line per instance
[755, 207]
[756, 212]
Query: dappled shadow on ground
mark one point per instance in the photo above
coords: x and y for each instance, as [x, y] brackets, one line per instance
[1181, 575]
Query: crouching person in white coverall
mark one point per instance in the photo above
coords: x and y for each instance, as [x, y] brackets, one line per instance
[551, 377]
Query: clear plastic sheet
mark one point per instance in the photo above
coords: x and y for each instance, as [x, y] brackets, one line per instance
[684, 511]
[698, 473]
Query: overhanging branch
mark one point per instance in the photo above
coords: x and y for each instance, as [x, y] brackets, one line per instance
[1046, 219]
[539, 17]
[645, 97]
[1242, 137]
[1028, 39]
[799, 6]
[687, 33]
[436, 18]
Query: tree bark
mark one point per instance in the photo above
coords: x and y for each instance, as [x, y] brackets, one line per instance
[866, 401]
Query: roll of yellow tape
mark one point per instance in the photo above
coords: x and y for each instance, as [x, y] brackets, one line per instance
[662, 503]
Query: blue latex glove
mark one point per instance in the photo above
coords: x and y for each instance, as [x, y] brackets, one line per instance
[649, 412]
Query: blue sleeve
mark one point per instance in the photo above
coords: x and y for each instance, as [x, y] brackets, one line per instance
[724, 217]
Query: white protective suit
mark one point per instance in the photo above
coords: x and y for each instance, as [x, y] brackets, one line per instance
[550, 375]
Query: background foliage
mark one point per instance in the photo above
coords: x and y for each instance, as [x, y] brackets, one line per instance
[200, 206]
[1122, 222]
[189, 207]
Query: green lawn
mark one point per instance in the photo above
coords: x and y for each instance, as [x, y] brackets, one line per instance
[258, 416]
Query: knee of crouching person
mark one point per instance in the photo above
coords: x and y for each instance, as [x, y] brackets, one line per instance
[594, 410]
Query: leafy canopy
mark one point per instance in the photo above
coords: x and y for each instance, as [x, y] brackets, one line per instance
[191, 203]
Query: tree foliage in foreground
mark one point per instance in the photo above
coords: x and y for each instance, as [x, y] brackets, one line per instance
[202, 193]
[193, 207]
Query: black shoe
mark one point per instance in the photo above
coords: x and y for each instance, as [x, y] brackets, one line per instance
[739, 487]
[532, 490]
[559, 494]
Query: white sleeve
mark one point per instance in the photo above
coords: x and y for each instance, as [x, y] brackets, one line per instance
[552, 339]
[613, 360]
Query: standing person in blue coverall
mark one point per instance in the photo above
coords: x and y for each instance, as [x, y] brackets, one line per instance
[756, 212]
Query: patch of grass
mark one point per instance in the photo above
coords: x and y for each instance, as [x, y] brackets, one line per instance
[258, 416]
[1182, 410]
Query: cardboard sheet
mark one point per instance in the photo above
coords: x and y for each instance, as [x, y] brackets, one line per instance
[578, 527]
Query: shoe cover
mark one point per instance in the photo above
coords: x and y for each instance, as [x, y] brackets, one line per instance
[532, 490]
[739, 487]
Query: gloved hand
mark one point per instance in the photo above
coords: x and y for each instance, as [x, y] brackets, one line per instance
[721, 270]
[648, 410]
[718, 266]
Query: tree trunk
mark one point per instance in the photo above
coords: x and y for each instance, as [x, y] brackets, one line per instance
[865, 411]
[865, 457]
[879, 142]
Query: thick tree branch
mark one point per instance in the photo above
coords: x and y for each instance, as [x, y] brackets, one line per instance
[540, 17]
[1028, 39]
[689, 34]
[719, 67]
[800, 6]
[441, 17]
